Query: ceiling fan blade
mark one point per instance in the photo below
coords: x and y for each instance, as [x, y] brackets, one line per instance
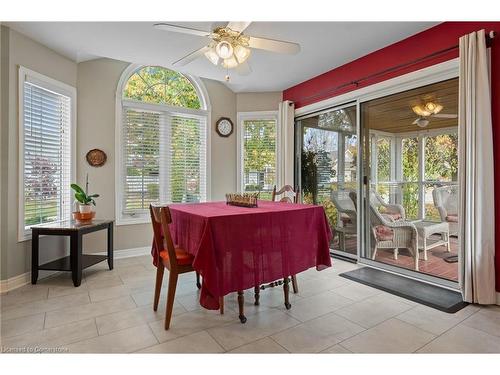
[192, 56]
[243, 69]
[272, 45]
[181, 29]
[444, 115]
[238, 26]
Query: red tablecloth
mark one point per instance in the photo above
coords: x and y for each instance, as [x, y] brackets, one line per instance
[236, 248]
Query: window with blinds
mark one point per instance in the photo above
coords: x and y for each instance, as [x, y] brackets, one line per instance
[141, 160]
[163, 143]
[164, 156]
[45, 154]
[259, 156]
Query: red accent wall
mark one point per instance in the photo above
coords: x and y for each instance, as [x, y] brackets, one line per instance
[419, 45]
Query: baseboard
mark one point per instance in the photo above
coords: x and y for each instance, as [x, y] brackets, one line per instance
[25, 278]
[15, 282]
[128, 253]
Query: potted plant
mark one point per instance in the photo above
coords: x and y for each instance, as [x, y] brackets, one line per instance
[84, 199]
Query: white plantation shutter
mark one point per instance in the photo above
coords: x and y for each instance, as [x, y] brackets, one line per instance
[46, 154]
[259, 155]
[164, 159]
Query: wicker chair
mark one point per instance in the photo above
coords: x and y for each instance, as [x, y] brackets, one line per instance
[346, 215]
[392, 234]
[446, 201]
[395, 211]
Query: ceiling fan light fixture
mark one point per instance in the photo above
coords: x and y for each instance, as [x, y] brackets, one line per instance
[437, 108]
[224, 49]
[422, 122]
[241, 53]
[230, 63]
[421, 111]
[212, 56]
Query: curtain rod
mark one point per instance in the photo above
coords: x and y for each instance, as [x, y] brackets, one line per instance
[489, 37]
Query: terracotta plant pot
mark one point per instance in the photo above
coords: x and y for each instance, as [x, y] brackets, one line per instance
[83, 218]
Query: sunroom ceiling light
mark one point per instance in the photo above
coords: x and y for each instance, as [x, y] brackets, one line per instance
[430, 108]
[433, 107]
[422, 122]
[224, 49]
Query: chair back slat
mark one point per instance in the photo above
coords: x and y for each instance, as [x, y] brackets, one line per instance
[286, 189]
[160, 219]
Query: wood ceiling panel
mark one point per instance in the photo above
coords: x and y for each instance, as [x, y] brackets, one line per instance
[394, 113]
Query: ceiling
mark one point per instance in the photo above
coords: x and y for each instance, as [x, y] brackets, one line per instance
[324, 46]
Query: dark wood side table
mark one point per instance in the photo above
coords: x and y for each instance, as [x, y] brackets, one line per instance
[76, 261]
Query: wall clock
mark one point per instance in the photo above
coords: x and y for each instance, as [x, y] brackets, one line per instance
[224, 127]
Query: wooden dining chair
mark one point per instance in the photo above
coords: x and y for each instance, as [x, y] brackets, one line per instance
[173, 258]
[286, 197]
[285, 192]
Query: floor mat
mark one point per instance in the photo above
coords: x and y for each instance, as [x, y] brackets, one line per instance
[430, 295]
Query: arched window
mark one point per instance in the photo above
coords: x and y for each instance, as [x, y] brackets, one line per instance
[162, 138]
[154, 84]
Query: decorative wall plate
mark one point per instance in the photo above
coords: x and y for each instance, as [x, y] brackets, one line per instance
[96, 157]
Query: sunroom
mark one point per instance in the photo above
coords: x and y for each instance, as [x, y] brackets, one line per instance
[409, 151]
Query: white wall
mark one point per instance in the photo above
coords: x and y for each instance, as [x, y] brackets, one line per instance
[258, 101]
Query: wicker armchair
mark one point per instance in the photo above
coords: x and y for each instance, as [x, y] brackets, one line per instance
[346, 215]
[394, 211]
[392, 234]
[446, 201]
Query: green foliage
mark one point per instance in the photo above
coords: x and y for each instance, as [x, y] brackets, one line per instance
[441, 158]
[154, 84]
[383, 159]
[441, 165]
[309, 174]
[259, 153]
[82, 197]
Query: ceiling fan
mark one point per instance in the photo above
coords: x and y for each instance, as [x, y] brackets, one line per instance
[427, 110]
[229, 46]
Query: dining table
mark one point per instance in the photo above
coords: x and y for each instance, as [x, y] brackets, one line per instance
[237, 248]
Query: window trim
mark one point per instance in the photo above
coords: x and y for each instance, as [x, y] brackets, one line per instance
[60, 88]
[121, 103]
[256, 115]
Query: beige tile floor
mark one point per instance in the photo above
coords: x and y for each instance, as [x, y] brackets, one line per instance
[111, 313]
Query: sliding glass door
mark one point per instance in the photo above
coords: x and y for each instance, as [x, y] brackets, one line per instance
[410, 196]
[326, 154]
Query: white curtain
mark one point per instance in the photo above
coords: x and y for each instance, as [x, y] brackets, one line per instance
[476, 219]
[286, 120]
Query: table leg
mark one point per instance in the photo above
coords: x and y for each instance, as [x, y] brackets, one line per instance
[241, 302]
[34, 257]
[256, 295]
[76, 258]
[110, 246]
[286, 290]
